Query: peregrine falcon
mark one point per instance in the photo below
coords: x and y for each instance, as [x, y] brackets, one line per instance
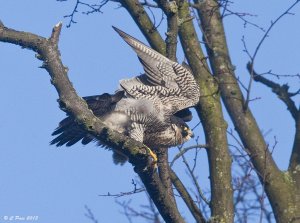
[150, 108]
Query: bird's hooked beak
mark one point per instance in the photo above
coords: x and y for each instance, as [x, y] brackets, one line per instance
[190, 133]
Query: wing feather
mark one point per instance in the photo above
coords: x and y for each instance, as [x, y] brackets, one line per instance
[169, 81]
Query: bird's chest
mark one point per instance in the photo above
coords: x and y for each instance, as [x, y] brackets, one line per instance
[165, 137]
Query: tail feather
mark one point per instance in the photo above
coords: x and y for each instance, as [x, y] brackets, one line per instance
[64, 124]
[70, 132]
[119, 158]
[74, 140]
[87, 139]
[68, 137]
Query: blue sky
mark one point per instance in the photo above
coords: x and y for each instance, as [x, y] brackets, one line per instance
[55, 184]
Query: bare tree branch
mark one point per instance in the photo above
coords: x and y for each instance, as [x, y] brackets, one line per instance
[164, 172]
[170, 8]
[90, 214]
[280, 90]
[92, 8]
[294, 165]
[122, 194]
[147, 213]
[143, 21]
[210, 113]
[186, 149]
[187, 198]
[194, 178]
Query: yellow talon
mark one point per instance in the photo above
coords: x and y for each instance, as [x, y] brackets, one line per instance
[153, 156]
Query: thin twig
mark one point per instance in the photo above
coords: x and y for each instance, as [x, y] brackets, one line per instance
[253, 57]
[194, 179]
[90, 214]
[186, 149]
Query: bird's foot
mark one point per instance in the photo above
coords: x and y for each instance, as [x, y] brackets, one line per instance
[153, 156]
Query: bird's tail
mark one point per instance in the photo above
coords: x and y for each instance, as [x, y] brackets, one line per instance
[70, 132]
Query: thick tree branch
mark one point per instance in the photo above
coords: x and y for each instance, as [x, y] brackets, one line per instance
[160, 196]
[170, 9]
[210, 112]
[187, 198]
[276, 186]
[164, 172]
[294, 166]
[294, 169]
[70, 102]
[143, 21]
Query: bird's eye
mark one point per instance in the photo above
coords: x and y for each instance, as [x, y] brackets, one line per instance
[185, 131]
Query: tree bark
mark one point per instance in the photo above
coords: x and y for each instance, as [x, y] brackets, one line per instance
[187, 198]
[141, 18]
[279, 186]
[210, 113]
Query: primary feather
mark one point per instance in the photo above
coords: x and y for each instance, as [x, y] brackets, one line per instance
[171, 82]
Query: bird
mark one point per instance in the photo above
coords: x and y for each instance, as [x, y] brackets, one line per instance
[151, 108]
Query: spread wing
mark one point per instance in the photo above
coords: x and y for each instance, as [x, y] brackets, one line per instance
[171, 82]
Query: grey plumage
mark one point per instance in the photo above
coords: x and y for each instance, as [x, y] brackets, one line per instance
[150, 108]
[131, 117]
[169, 81]
[70, 132]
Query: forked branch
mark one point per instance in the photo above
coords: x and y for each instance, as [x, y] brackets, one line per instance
[280, 90]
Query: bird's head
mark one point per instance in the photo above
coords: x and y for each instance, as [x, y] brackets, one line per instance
[182, 130]
[186, 132]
